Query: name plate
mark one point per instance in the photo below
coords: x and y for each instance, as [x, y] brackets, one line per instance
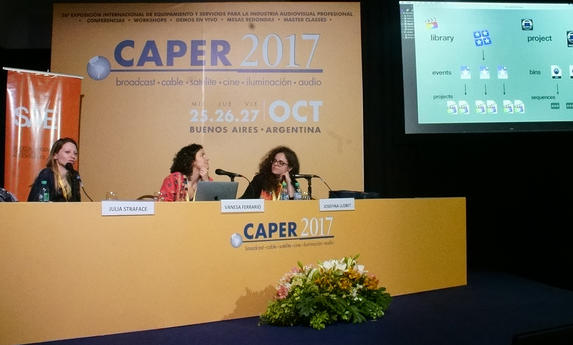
[340, 204]
[127, 208]
[242, 206]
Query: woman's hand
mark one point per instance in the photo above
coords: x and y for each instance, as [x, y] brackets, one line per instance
[201, 174]
[204, 174]
[286, 177]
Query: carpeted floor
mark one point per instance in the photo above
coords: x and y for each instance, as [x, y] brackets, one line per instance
[492, 309]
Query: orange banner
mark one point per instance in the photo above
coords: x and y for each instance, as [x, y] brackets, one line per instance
[40, 108]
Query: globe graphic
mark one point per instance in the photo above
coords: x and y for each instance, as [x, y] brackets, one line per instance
[236, 240]
[98, 67]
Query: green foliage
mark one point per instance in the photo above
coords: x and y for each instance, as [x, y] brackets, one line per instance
[333, 291]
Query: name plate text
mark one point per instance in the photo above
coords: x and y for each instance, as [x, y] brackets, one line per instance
[341, 204]
[242, 206]
[127, 208]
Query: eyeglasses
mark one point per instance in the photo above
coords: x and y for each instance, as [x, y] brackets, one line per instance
[279, 163]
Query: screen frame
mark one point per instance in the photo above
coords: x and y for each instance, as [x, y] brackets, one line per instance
[410, 94]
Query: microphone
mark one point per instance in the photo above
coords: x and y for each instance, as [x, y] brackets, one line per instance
[75, 175]
[306, 176]
[309, 178]
[227, 173]
[232, 175]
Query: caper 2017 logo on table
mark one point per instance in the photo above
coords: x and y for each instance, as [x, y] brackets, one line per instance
[313, 228]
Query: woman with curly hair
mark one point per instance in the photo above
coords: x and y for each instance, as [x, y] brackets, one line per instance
[190, 165]
[276, 167]
[59, 175]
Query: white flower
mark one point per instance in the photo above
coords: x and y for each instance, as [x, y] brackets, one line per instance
[350, 262]
[312, 273]
[329, 264]
[341, 266]
[360, 269]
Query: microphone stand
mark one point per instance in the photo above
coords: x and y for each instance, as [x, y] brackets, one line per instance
[86, 193]
[309, 182]
[233, 178]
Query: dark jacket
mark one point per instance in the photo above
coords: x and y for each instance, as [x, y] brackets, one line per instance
[55, 193]
[254, 188]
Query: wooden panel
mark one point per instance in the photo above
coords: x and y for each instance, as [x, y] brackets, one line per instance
[67, 272]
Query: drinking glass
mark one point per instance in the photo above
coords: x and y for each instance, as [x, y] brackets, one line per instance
[158, 196]
[110, 196]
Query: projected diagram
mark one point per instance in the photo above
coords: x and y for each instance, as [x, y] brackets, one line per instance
[489, 63]
[485, 105]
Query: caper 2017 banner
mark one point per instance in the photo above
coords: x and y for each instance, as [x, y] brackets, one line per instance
[238, 78]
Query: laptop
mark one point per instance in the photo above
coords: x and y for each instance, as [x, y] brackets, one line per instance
[215, 191]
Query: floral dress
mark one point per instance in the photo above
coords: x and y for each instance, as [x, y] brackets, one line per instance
[175, 187]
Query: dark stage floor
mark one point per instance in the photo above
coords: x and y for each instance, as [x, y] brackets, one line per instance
[490, 310]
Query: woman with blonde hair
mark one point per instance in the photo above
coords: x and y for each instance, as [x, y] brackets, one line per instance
[61, 180]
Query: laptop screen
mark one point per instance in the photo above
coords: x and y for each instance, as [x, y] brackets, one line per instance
[214, 191]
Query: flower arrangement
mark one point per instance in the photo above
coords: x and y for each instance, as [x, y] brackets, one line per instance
[332, 291]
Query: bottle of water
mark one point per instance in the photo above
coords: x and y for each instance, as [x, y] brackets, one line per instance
[44, 191]
[284, 191]
[297, 192]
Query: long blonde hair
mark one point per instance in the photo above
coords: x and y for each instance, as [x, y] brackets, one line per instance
[56, 147]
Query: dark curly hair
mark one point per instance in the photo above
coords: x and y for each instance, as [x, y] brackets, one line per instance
[183, 160]
[270, 181]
